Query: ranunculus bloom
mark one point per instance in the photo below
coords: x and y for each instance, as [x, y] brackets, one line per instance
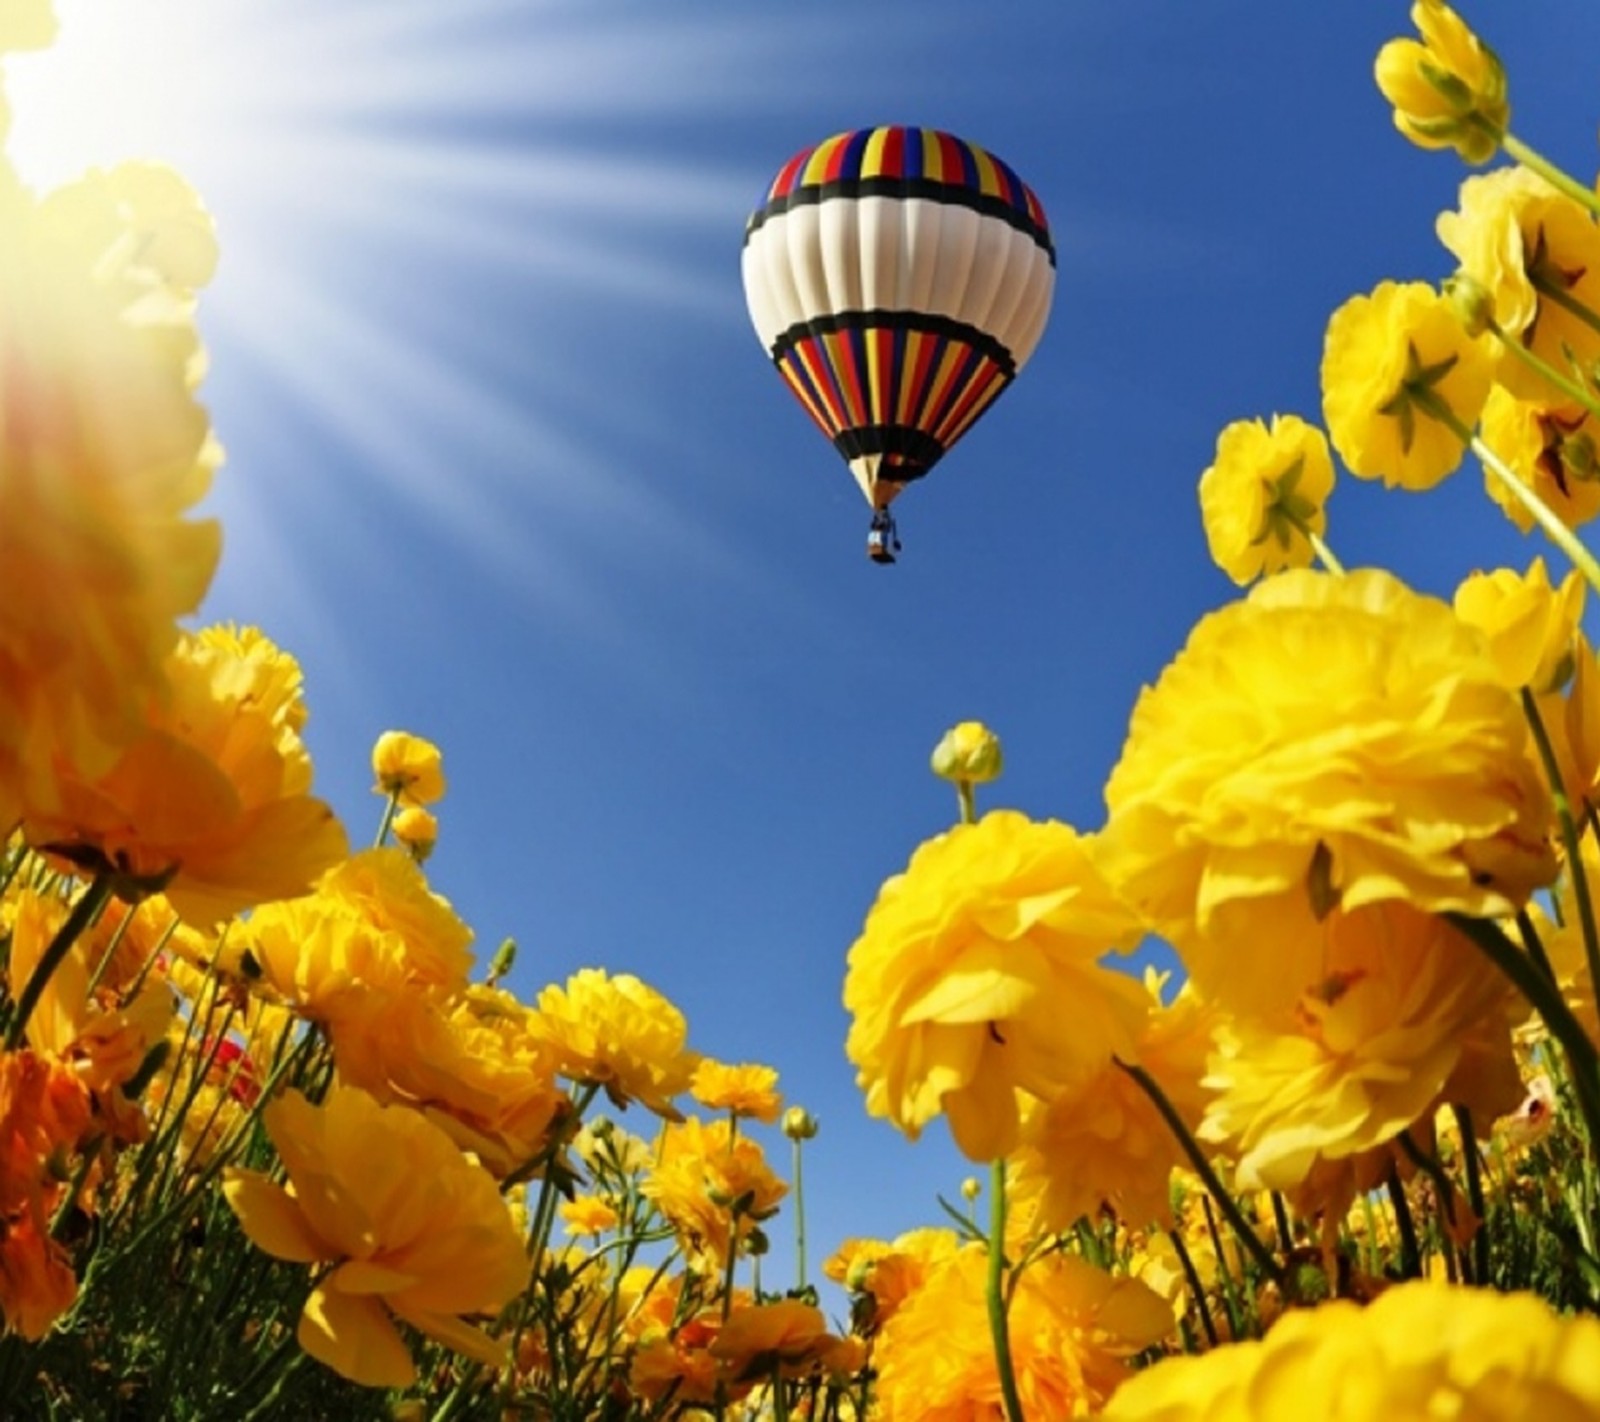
[1326, 742]
[789, 1337]
[621, 1033]
[409, 1225]
[210, 802]
[887, 1273]
[1397, 1014]
[1101, 1143]
[1512, 229]
[1531, 627]
[1264, 490]
[469, 1060]
[746, 1090]
[408, 766]
[417, 830]
[1448, 90]
[1549, 447]
[968, 965]
[701, 1170]
[104, 452]
[1384, 357]
[1422, 1349]
[1073, 1327]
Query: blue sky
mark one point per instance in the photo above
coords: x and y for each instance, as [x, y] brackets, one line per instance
[508, 469]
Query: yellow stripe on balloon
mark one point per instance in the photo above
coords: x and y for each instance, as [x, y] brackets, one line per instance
[932, 157]
[988, 176]
[817, 165]
[872, 156]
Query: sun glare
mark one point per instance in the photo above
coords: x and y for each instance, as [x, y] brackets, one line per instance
[421, 226]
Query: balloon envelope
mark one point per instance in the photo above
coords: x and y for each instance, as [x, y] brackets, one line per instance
[899, 278]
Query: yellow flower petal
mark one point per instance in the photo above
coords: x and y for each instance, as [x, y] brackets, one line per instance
[271, 1217]
[356, 1338]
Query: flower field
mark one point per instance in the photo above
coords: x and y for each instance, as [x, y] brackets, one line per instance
[276, 1143]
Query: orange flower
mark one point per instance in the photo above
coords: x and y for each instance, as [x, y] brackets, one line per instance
[714, 1188]
[747, 1090]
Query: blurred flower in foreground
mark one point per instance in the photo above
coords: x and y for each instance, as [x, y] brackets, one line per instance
[409, 767]
[1448, 90]
[1422, 1349]
[1263, 494]
[967, 966]
[1073, 1327]
[1388, 359]
[402, 1222]
[104, 451]
[1327, 742]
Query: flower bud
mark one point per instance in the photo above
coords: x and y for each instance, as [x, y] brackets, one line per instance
[969, 753]
[1472, 302]
[504, 956]
[799, 1124]
[971, 1188]
[1449, 88]
[417, 830]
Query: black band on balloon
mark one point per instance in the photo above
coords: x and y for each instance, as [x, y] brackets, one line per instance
[952, 194]
[908, 453]
[880, 320]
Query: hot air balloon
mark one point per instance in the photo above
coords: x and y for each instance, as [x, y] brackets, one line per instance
[899, 278]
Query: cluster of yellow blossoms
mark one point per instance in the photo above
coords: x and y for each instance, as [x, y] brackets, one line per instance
[269, 1148]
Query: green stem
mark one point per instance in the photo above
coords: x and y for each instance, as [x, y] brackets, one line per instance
[1569, 835]
[1534, 944]
[89, 904]
[1564, 298]
[388, 819]
[969, 802]
[1202, 1167]
[1469, 1153]
[799, 1217]
[1195, 1286]
[998, 1329]
[1547, 519]
[1320, 547]
[1410, 1254]
[1543, 369]
[1538, 163]
[1583, 1060]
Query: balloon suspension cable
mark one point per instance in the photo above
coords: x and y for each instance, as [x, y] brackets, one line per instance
[883, 538]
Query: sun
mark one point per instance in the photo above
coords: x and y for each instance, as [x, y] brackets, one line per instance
[429, 226]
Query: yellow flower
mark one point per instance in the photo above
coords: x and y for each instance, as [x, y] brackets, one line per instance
[1073, 1328]
[417, 831]
[968, 964]
[621, 1033]
[1263, 493]
[1399, 1004]
[1388, 360]
[471, 1061]
[970, 753]
[1422, 1349]
[1449, 90]
[1326, 742]
[1515, 234]
[588, 1214]
[789, 1337]
[409, 1225]
[714, 1188]
[1531, 627]
[886, 1274]
[27, 24]
[104, 451]
[747, 1090]
[1102, 1143]
[1551, 449]
[408, 766]
[210, 803]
